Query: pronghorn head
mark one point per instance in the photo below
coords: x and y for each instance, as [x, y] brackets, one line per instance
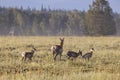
[61, 39]
[33, 49]
[80, 52]
[92, 49]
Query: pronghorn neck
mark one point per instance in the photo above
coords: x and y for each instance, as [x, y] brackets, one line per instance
[91, 52]
[61, 43]
[80, 53]
[32, 51]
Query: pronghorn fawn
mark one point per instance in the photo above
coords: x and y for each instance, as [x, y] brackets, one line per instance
[88, 55]
[74, 54]
[58, 49]
[28, 55]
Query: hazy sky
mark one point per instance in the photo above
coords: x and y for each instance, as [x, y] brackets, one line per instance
[57, 4]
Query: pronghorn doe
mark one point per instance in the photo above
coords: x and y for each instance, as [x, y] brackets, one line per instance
[28, 55]
[58, 49]
[88, 55]
[73, 54]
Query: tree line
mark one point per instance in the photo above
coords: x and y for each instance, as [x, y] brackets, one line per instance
[98, 20]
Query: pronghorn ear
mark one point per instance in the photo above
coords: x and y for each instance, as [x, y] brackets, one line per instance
[34, 48]
[80, 51]
[62, 38]
[93, 49]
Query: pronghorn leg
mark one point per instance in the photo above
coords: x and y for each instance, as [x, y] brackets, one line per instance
[22, 58]
[53, 54]
[55, 57]
[25, 59]
[30, 59]
[60, 56]
[69, 57]
[88, 59]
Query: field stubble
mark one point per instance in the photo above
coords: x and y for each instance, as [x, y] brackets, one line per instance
[104, 65]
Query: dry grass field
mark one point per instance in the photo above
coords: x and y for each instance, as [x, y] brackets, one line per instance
[104, 64]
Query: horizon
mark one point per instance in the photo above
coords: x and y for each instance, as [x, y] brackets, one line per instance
[56, 4]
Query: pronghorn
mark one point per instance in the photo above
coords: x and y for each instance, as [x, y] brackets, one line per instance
[28, 55]
[73, 54]
[88, 55]
[58, 49]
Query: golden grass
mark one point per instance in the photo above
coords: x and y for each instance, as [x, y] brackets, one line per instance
[104, 65]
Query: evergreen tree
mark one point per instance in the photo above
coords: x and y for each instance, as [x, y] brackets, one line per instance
[29, 21]
[99, 19]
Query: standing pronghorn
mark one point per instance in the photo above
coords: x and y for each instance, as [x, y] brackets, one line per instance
[28, 55]
[58, 49]
[88, 55]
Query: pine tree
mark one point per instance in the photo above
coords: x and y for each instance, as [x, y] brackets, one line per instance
[99, 19]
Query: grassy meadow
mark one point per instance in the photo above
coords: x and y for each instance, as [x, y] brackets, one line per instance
[104, 64]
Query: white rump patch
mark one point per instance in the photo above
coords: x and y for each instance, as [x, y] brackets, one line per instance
[23, 54]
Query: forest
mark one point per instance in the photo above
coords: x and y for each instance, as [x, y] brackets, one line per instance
[98, 20]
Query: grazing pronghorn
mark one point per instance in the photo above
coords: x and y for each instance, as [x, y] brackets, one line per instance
[58, 49]
[28, 55]
[88, 55]
[73, 54]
